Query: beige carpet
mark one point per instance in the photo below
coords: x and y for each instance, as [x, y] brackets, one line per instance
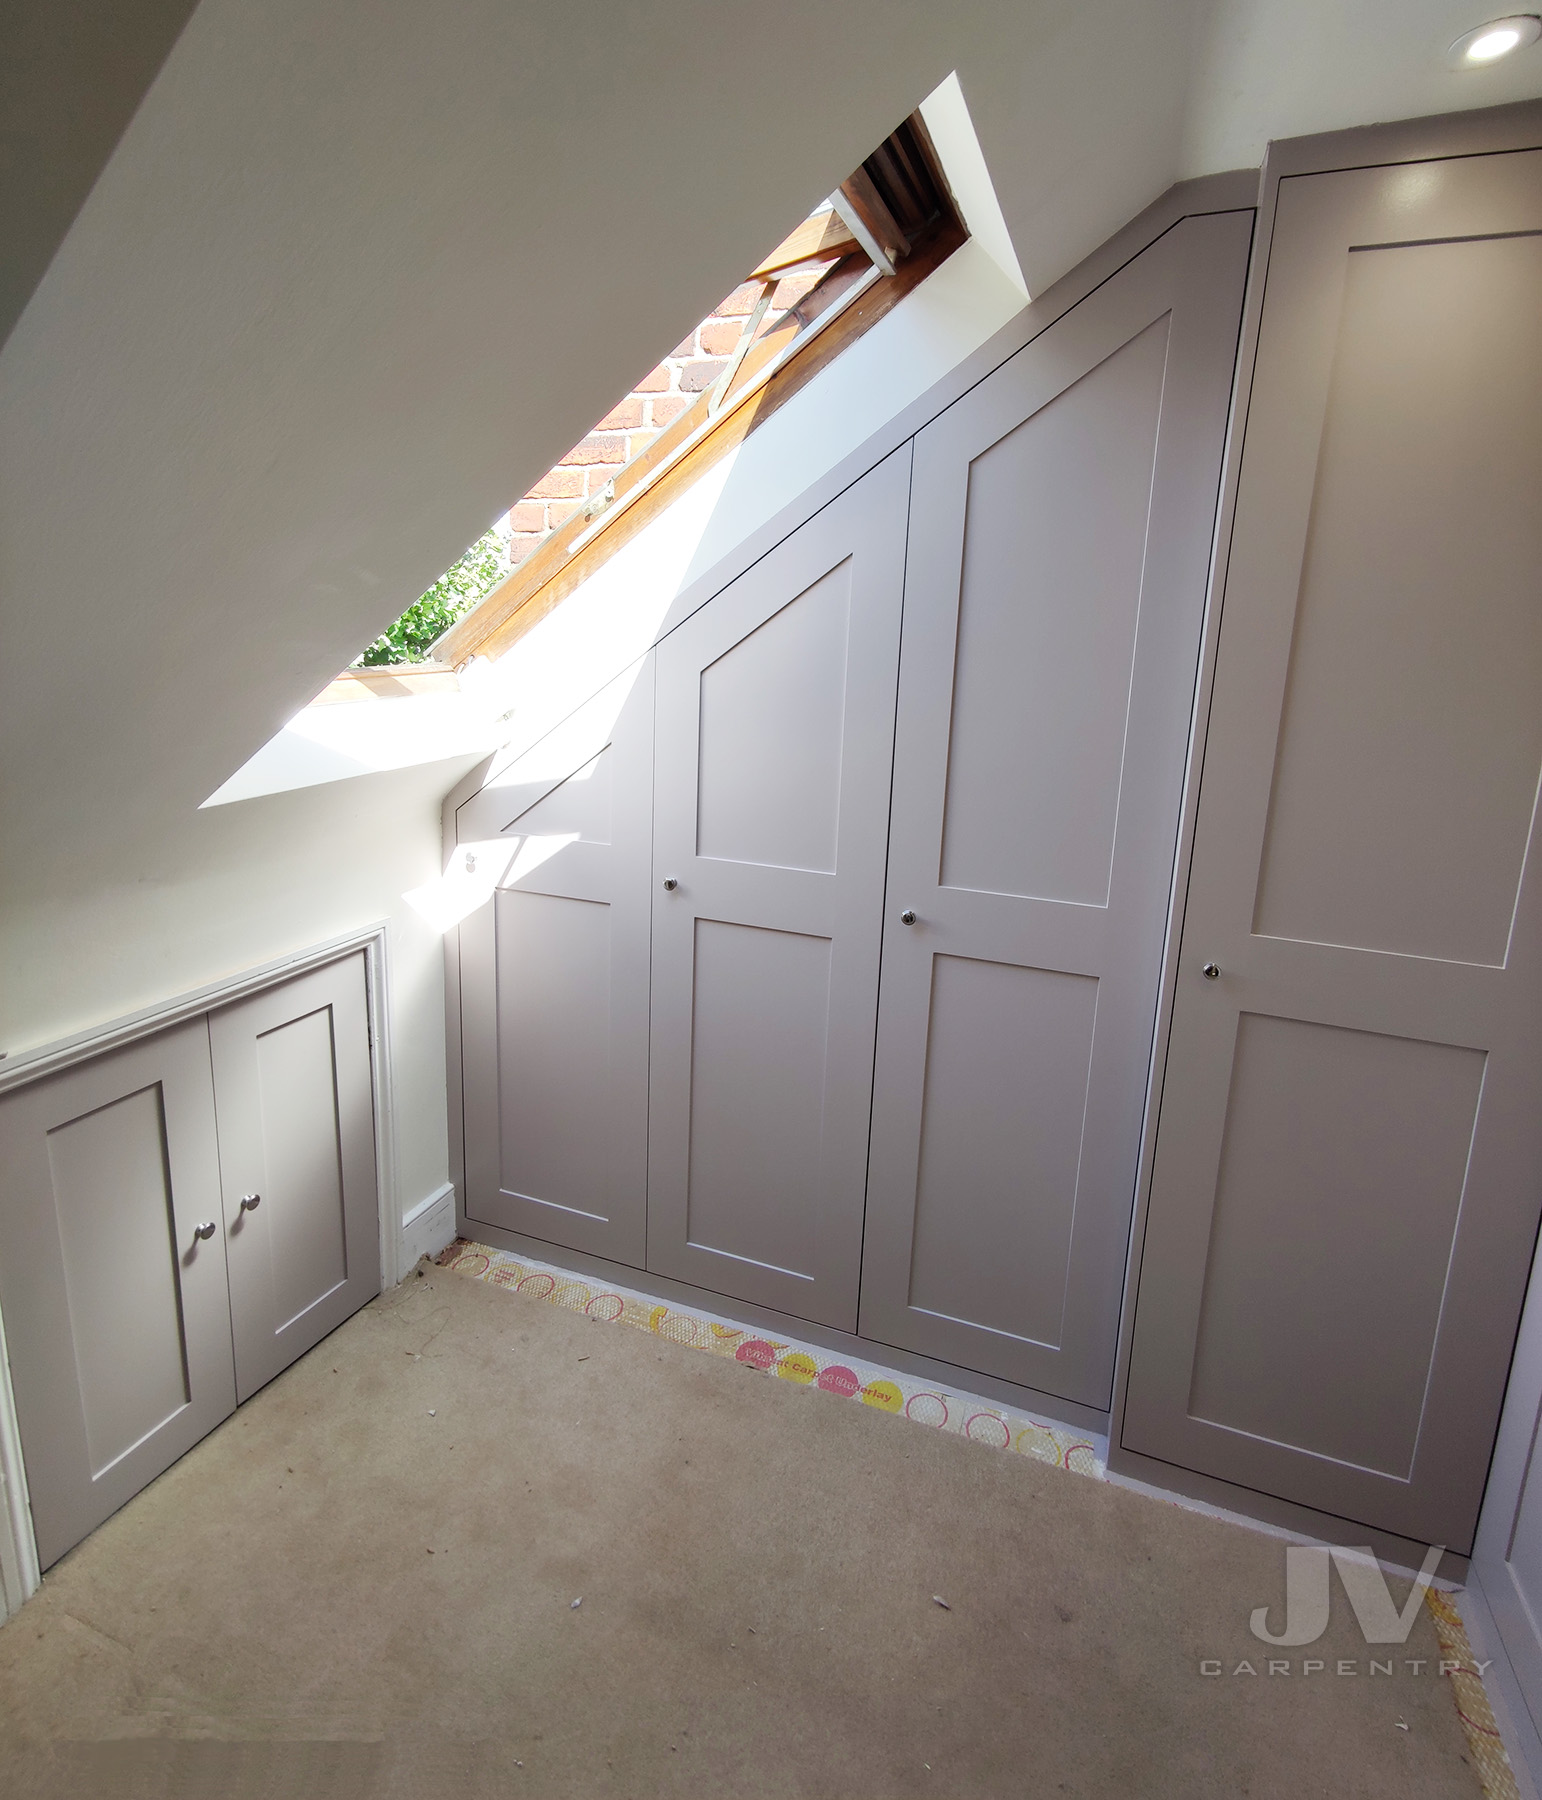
[363, 1584]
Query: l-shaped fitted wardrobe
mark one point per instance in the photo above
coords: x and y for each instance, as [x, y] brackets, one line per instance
[1057, 912]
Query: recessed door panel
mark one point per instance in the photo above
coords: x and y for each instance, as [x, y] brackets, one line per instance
[1344, 1199]
[773, 735]
[113, 1276]
[1007, 1060]
[297, 1090]
[112, 1190]
[1341, 1184]
[1054, 592]
[757, 1096]
[554, 1049]
[577, 809]
[1411, 737]
[554, 983]
[1046, 635]
[297, 1160]
[772, 712]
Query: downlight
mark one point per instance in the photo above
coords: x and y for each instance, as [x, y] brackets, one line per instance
[1486, 44]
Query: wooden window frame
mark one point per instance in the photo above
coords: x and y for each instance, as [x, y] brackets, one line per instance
[762, 381]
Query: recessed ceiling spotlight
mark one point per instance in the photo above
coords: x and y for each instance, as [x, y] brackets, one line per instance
[1487, 43]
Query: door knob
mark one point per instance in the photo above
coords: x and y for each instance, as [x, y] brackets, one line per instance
[670, 884]
[907, 917]
[205, 1230]
[250, 1202]
[1211, 971]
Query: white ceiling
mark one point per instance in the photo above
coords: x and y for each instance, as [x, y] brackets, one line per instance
[357, 273]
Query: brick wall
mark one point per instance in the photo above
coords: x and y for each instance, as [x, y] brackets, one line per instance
[634, 422]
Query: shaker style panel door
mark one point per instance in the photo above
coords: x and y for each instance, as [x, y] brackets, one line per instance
[112, 1276]
[554, 982]
[297, 1164]
[775, 719]
[1346, 1183]
[1060, 537]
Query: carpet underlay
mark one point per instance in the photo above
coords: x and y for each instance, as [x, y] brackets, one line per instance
[476, 1544]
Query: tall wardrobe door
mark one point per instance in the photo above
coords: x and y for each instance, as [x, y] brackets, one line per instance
[1346, 1190]
[554, 982]
[775, 726]
[297, 1164]
[1059, 547]
[116, 1314]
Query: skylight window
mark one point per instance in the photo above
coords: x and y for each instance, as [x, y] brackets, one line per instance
[847, 264]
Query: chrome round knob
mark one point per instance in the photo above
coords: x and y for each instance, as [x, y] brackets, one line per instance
[250, 1202]
[1211, 971]
[205, 1230]
[670, 884]
[908, 917]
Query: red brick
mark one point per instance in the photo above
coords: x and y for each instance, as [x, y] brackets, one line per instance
[527, 516]
[655, 382]
[696, 376]
[792, 290]
[720, 337]
[741, 301]
[624, 416]
[562, 510]
[686, 347]
[560, 484]
[664, 409]
[520, 547]
[598, 447]
[602, 473]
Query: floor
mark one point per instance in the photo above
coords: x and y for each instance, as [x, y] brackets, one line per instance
[476, 1544]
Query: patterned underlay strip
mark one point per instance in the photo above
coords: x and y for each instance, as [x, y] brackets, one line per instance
[924, 1403]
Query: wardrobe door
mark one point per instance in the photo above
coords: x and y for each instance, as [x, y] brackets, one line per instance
[1346, 1187]
[297, 1164]
[112, 1276]
[775, 718]
[1060, 536]
[554, 982]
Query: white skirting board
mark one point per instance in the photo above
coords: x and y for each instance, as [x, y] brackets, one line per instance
[428, 1227]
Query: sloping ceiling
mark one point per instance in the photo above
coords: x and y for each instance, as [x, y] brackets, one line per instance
[357, 273]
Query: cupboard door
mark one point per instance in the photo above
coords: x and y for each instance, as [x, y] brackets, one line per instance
[554, 982]
[1345, 1193]
[297, 1164]
[116, 1313]
[1060, 536]
[775, 718]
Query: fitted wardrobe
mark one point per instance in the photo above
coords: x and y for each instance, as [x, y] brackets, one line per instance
[826, 981]
[1064, 913]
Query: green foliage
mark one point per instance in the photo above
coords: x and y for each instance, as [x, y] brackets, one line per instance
[455, 592]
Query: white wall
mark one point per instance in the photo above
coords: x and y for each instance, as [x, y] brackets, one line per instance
[201, 895]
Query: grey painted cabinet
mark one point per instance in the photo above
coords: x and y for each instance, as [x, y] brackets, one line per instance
[698, 1036]
[775, 724]
[554, 983]
[125, 1252]
[1345, 1192]
[297, 1164]
[1054, 594]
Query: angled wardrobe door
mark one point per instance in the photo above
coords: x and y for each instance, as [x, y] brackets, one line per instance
[1059, 547]
[296, 1114]
[775, 718]
[112, 1276]
[1345, 1193]
[554, 982]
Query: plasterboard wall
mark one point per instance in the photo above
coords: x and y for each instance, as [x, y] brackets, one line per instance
[209, 894]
